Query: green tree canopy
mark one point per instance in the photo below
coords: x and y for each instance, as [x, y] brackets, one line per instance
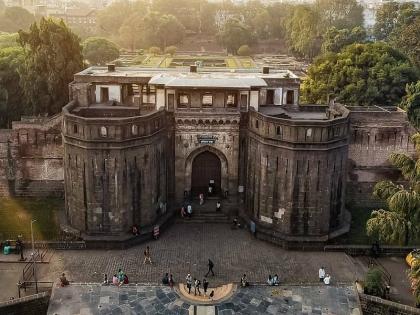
[392, 15]
[303, 32]
[407, 39]
[335, 39]
[411, 103]
[99, 50]
[170, 31]
[340, 13]
[52, 55]
[400, 222]
[11, 94]
[235, 34]
[13, 19]
[361, 74]
[110, 19]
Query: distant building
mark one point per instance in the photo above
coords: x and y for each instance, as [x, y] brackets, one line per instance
[77, 17]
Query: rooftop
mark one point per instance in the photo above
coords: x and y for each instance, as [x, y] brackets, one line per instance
[168, 74]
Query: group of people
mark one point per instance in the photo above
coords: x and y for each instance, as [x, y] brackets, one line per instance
[186, 211]
[196, 283]
[118, 279]
[323, 276]
[168, 279]
[273, 280]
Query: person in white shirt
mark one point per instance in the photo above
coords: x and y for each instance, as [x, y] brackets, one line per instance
[321, 274]
[327, 279]
[189, 210]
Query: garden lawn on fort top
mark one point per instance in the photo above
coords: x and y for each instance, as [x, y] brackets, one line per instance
[16, 215]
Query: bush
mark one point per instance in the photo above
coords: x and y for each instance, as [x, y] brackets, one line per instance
[244, 50]
[171, 50]
[374, 283]
[155, 50]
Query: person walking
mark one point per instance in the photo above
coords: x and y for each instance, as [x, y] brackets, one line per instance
[205, 286]
[210, 265]
[321, 274]
[189, 283]
[147, 257]
[197, 284]
[201, 197]
[189, 210]
[218, 206]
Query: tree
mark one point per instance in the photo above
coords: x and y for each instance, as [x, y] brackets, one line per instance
[303, 32]
[99, 50]
[407, 39]
[340, 13]
[52, 55]
[14, 19]
[110, 19]
[360, 74]
[11, 94]
[170, 31]
[244, 50]
[171, 50]
[235, 34]
[400, 222]
[335, 39]
[390, 16]
[131, 32]
[411, 103]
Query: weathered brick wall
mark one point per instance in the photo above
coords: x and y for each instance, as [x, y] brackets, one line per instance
[374, 135]
[372, 305]
[36, 304]
[31, 158]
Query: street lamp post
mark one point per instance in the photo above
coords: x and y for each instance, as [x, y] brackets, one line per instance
[33, 256]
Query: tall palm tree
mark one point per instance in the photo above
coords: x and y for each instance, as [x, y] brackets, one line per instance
[400, 223]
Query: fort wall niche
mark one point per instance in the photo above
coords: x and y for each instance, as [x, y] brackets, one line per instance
[374, 135]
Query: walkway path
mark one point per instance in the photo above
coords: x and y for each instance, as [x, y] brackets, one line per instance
[185, 248]
[144, 300]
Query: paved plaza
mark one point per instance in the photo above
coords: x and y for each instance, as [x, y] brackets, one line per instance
[97, 300]
[185, 248]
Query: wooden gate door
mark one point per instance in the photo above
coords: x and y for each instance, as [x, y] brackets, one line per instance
[206, 167]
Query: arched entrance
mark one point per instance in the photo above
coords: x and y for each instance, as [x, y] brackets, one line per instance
[206, 169]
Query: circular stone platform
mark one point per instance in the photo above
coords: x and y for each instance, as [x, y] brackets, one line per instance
[220, 293]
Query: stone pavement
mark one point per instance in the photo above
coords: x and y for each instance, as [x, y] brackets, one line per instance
[95, 299]
[185, 248]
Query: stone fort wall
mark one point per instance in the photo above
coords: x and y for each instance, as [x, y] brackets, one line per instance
[296, 174]
[115, 169]
[373, 136]
[31, 158]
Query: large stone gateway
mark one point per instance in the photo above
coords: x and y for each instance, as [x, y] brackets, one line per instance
[138, 141]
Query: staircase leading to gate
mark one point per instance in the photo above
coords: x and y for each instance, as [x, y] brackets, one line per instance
[207, 213]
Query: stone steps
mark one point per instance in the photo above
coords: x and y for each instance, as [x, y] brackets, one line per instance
[206, 217]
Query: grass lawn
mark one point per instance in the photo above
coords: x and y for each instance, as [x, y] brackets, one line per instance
[16, 215]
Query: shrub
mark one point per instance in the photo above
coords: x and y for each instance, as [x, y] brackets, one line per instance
[155, 50]
[374, 283]
[244, 50]
[171, 50]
